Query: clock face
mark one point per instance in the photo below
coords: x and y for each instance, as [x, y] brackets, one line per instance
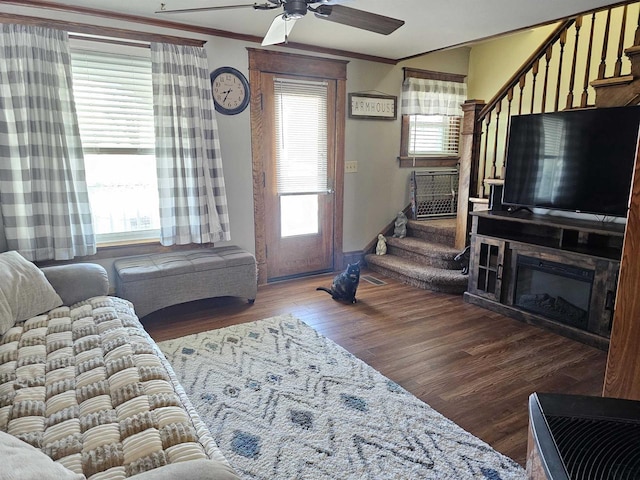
[230, 90]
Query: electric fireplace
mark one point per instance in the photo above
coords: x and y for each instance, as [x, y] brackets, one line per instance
[556, 291]
[557, 273]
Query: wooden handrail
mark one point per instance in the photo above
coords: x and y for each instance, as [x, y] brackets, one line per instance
[540, 52]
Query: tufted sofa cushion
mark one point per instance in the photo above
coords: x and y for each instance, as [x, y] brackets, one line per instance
[88, 387]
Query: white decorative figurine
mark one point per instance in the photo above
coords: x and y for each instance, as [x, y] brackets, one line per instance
[381, 247]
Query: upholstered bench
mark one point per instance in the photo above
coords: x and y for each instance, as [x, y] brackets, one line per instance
[155, 281]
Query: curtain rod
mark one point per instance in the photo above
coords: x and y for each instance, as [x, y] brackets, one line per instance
[114, 41]
[98, 30]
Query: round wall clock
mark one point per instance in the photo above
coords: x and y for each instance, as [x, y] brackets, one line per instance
[230, 90]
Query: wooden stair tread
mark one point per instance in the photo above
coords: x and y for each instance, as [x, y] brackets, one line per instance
[424, 258]
[420, 272]
[447, 225]
[423, 247]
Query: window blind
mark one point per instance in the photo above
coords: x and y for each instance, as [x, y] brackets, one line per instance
[301, 136]
[433, 135]
[114, 101]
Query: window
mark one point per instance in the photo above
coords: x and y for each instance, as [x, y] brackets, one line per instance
[433, 135]
[114, 101]
[431, 118]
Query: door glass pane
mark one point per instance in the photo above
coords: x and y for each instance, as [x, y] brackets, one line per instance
[493, 256]
[298, 215]
[491, 283]
[484, 253]
[482, 279]
[301, 136]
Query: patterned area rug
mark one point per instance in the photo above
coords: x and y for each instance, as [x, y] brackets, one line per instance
[284, 402]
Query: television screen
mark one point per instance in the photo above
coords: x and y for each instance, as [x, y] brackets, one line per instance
[577, 160]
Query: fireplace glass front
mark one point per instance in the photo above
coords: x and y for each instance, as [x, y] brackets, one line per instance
[554, 290]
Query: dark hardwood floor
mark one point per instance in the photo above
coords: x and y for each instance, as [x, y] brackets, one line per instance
[474, 366]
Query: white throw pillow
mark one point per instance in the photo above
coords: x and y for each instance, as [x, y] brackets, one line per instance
[24, 291]
[21, 461]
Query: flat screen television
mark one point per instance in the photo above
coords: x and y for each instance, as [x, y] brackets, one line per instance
[577, 160]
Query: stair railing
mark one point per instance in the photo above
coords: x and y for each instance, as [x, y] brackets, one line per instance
[581, 55]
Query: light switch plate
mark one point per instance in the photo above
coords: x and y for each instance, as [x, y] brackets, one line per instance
[350, 167]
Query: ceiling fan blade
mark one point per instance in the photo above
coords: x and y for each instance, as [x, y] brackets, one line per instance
[358, 18]
[279, 30]
[256, 6]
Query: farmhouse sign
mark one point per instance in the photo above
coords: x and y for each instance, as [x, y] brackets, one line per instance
[367, 105]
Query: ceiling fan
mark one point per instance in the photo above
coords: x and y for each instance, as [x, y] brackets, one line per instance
[295, 9]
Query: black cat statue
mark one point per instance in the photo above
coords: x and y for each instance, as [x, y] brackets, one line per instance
[345, 284]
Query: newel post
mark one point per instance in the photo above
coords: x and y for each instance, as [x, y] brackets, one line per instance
[470, 137]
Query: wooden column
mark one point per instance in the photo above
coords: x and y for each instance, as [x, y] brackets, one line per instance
[622, 378]
[468, 173]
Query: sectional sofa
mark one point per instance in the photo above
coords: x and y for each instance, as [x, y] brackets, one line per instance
[84, 390]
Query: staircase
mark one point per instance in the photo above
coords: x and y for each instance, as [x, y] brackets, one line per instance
[582, 64]
[424, 258]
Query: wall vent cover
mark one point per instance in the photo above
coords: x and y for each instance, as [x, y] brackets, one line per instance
[586, 438]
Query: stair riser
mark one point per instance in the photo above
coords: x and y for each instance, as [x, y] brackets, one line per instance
[434, 235]
[428, 260]
[434, 287]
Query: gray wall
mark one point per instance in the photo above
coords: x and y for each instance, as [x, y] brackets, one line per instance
[373, 195]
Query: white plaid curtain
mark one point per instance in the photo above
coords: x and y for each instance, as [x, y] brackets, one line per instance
[43, 192]
[193, 201]
[421, 96]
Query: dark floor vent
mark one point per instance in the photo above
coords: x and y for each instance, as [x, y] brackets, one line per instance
[590, 438]
[373, 280]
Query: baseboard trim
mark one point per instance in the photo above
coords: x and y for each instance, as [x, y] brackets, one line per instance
[386, 231]
[352, 257]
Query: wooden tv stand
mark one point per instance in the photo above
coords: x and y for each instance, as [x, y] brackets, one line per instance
[542, 250]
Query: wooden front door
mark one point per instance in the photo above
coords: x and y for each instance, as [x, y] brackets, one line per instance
[299, 174]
